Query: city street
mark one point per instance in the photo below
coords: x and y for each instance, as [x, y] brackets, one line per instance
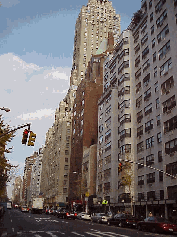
[16, 223]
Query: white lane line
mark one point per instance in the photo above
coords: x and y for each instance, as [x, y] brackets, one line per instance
[13, 229]
[77, 234]
[48, 232]
[37, 235]
[4, 234]
[92, 234]
[116, 234]
[107, 233]
[104, 233]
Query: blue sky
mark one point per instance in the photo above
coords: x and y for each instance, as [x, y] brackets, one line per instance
[36, 48]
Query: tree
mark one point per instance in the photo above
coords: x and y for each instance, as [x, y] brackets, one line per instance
[5, 167]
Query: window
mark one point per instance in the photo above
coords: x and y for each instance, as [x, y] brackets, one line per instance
[101, 106]
[171, 146]
[150, 178]
[162, 52]
[163, 34]
[149, 125]
[156, 87]
[125, 149]
[126, 118]
[140, 147]
[107, 135]
[160, 175]
[151, 17]
[172, 168]
[150, 159]
[108, 146]
[82, 112]
[100, 139]
[124, 90]
[67, 145]
[73, 131]
[137, 61]
[107, 187]
[141, 180]
[137, 48]
[83, 102]
[158, 119]
[124, 104]
[138, 87]
[139, 117]
[107, 160]
[148, 109]
[140, 197]
[161, 194]
[167, 85]
[108, 110]
[149, 142]
[139, 102]
[140, 163]
[161, 19]
[108, 122]
[107, 173]
[147, 94]
[66, 152]
[101, 117]
[145, 52]
[150, 4]
[143, 40]
[158, 7]
[124, 77]
[154, 57]
[169, 104]
[108, 99]
[157, 103]
[159, 137]
[66, 167]
[172, 192]
[152, 29]
[155, 72]
[146, 80]
[170, 124]
[153, 43]
[138, 74]
[143, 27]
[66, 159]
[99, 188]
[150, 195]
[160, 157]
[140, 131]
[125, 133]
[101, 128]
[146, 65]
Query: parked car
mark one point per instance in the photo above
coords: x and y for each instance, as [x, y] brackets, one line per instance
[85, 216]
[24, 209]
[48, 211]
[79, 215]
[100, 218]
[157, 224]
[123, 220]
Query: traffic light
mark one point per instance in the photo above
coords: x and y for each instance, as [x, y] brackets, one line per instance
[31, 139]
[120, 167]
[25, 136]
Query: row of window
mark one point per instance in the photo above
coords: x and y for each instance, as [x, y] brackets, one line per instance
[150, 159]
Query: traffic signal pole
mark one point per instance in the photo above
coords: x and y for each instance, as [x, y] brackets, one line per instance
[19, 127]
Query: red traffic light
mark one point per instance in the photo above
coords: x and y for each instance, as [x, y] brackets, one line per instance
[25, 136]
[25, 131]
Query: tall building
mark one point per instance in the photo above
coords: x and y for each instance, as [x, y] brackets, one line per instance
[93, 24]
[155, 45]
[16, 191]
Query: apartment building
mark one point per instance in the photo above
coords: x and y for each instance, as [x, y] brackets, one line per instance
[155, 56]
[36, 176]
[93, 24]
[29, 161]
[16, 196]
[115, 126]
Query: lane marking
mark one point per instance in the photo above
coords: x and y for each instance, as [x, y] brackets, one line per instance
[11, 220]
[77, 234]
[92, 234]
[48, 232]
[37, 235]
[13, 229]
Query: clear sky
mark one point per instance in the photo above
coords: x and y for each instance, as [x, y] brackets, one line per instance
[36, 49]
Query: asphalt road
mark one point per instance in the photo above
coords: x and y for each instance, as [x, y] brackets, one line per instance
[16, 223]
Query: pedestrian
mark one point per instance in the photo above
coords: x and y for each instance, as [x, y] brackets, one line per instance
[150, 214]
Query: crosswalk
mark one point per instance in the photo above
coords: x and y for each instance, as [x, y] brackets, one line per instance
[88, 233]
[91, 232]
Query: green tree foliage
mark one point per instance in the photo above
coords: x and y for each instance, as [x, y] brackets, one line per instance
[5, 167]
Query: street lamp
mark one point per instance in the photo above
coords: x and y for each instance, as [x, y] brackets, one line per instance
[6, 109]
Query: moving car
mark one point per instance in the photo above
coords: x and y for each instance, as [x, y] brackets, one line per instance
[66, 214]
[157, 224]
[48, 211]
[79, 215]
[24, 209]
[84, 216]
[100, 218]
